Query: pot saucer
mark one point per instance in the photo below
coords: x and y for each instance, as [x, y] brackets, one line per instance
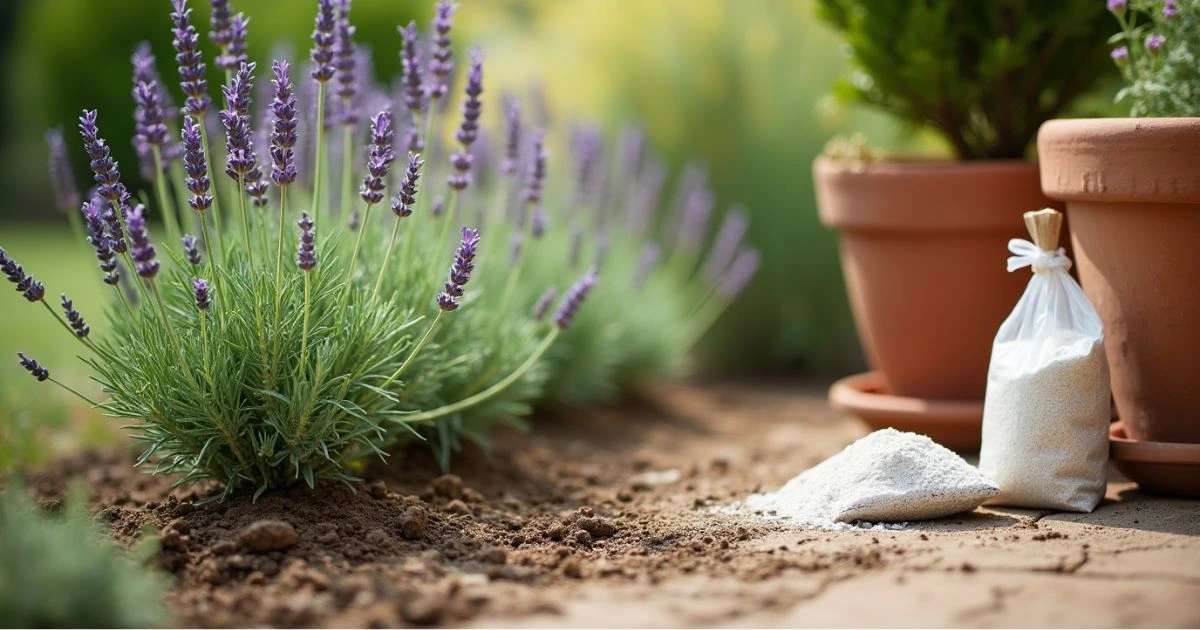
[954, 424]
[1162, 467]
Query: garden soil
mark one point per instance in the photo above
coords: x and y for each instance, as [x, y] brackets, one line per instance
[612, 518]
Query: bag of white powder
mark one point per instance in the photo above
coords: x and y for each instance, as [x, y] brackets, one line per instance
[1046, 414]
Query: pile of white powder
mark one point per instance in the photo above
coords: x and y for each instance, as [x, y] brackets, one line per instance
[888, 476]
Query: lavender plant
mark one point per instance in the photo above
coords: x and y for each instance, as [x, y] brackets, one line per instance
[261, 342]
[1158, 54]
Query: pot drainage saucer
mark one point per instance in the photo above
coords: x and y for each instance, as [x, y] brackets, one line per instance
[954, 424]
[1163, 467]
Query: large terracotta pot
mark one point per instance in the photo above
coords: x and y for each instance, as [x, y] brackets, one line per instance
[1132, 188]
[923, 247]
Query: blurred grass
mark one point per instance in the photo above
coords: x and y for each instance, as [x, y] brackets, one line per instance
[33, 415]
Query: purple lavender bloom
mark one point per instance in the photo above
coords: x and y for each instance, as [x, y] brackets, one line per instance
[1155, 42]
[323, 39]
[66, 193]
[194, 163]
[744, 267]
[575, 246]
[472, 107]
[284, 136]
[512, 144]
[1170, 9]
[26, 285]
[441, 64]
[142, 250]
[74, 318]
[190, 60]
[344, 52]
[574, 299]
[145, 70]
[460, 272]
[189, 250]
[354, 221]
[222, 15]
[651, 252]
[151, 128]
[461, 177]
[589, 151]
[1119, 54]
[406, 196]
[1117, 6]
[535, 178]
[728, 242]
[242, 163]
[306, 253]
[380, 160]
[200, 292]
[693, 223]
[35, 368]
[538, 226]
[412, 138]
[235, 53]
[543, 304]
[106, 171]
[93, 217]
[414, 92]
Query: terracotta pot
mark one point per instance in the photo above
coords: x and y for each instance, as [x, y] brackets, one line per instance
[1132, 188]
[923, 247]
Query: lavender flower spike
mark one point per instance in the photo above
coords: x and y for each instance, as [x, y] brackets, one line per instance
[414, 92]
[381, 158]
[306, 253]
[512, 146]
[468, 130]
[727, 244]
[26, 285]
[406, 197]
[142, 251]
[283, 136]
[66, 193]
[441, 64]
[222, 13]
[190, 253]
[106, 171]
[744, 267]
[93, 217]
[574, 299]
[543, 304]
[323, 40]
[76, 320]
[200, 292]
[242, 163]
[35, 368]
[235, 52]
[198, 182]
[190, 60]
[344, 62]
[535, 179]
[460, 272]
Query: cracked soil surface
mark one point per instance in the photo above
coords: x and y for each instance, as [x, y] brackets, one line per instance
[608, 518]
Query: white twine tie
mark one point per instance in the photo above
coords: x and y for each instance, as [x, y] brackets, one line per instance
[1026, 254]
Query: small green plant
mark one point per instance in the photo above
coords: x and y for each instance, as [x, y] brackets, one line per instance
[60, 571]
[985, 75]
[1158, 54]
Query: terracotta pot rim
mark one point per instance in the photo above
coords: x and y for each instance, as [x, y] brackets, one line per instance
[1119, 160]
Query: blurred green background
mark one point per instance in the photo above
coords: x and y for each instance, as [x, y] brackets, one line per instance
[741, 84]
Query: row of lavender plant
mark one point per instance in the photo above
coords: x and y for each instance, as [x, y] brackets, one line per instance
[239, 367]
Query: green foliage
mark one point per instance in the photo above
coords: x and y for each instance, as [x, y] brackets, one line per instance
[60, 572]
[1163, 78]
[986, 75]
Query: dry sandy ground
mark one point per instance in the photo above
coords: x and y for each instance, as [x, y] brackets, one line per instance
[608, 518]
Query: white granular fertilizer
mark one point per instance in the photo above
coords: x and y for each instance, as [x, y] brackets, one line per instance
[887, 476]
[1045, 422]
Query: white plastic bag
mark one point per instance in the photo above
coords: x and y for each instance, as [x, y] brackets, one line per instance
[1047, 411]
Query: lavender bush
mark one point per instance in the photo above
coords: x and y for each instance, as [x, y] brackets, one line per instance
[284, 328]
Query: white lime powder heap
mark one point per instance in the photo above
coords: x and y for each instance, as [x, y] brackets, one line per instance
[887, 476]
